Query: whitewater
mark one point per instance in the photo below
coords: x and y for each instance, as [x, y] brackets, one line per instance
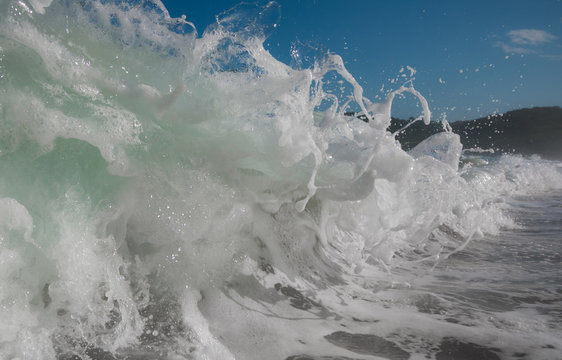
[169, 194]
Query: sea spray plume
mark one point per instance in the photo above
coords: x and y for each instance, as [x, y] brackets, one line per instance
[382, 111]
[236, 52]
[299, 137]
[249, 20]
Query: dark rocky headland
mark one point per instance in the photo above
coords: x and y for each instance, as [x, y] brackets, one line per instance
[525, 131]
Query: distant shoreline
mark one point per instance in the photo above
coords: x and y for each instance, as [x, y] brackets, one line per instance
[524, 131]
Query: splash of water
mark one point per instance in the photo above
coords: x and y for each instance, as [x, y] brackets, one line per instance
[147, 171]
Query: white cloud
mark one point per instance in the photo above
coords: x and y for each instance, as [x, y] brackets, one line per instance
[552, 57]
[514, 49]
[530, 37]
[526, 41]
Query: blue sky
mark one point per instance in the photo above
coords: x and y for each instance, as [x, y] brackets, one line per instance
[472, 58]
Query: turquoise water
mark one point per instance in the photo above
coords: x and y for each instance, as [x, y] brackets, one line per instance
[166, 194]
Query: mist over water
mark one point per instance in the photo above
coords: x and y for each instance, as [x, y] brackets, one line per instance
[169, 194]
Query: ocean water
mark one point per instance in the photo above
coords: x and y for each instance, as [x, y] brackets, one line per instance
[169, 194]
